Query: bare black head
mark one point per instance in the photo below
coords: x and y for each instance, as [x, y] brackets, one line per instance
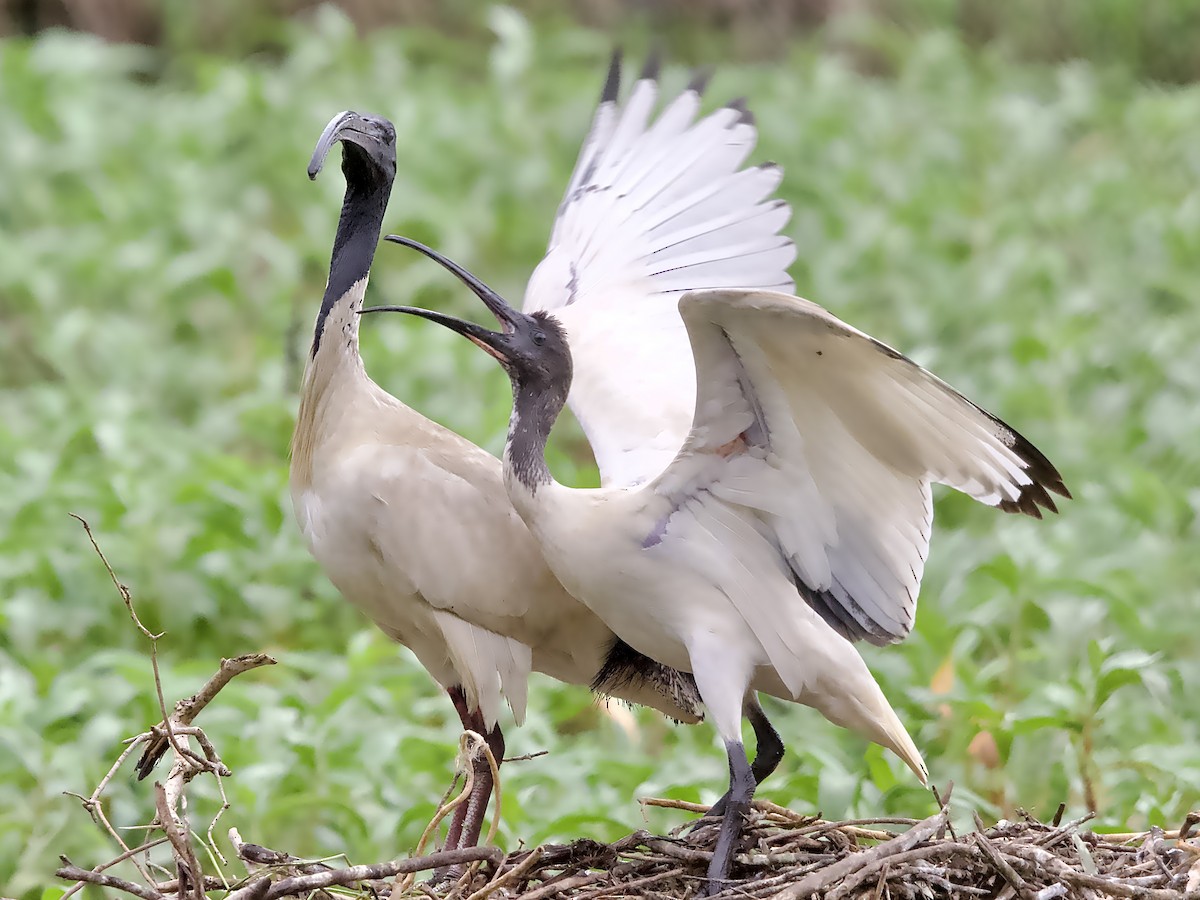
[369, 166]
[368, 149]
[532, 348]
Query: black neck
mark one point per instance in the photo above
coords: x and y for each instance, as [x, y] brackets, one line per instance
[354, 245]
[533, 415]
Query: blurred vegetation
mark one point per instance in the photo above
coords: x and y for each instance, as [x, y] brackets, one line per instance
[1031, 232]
[1153, 39]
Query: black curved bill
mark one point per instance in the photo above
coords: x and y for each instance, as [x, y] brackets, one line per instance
[505, 314]
[330, 136]
[490, 341]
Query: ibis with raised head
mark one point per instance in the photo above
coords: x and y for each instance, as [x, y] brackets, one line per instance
[410, 521]
[793, 519]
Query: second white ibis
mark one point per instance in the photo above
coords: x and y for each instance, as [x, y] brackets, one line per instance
[794, 519]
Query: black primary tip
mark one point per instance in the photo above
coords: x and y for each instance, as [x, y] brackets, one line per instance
[154, 751]
[653, 66]
[745, 117]
[700, 79]
[612, 83]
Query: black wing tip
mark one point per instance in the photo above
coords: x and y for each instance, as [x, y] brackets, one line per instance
[149, 759]
[745, 117]
[612, 81]
[652, 68]
[1046, 479]
[700, 79]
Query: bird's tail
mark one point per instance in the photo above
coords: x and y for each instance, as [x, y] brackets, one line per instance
[858, 703]
[893, 735]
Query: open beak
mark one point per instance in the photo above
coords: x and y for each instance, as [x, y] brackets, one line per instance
[340, 127]
[491, 342]
[505, 314]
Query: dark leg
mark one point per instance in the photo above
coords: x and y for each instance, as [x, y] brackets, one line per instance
[741, 790]
[477, 803]
[454, 836]
[766, 757]
[467, 821]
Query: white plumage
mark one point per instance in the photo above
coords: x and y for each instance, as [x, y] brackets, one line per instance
[652, 211]
[410, 521]
[794, 519]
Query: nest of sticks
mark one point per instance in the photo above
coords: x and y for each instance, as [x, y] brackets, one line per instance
[784, 855]
[788, 856]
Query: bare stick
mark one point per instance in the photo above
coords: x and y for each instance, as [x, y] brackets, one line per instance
[255, 890]
[74, 873]
[557, 886]
[511, 876]
[177, 833]
[823, 878]
[188, 709]
[999, 863]
[126, 596]
[302, 884]
[524, 757]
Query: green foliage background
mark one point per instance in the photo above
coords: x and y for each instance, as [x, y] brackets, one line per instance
[1031, 232]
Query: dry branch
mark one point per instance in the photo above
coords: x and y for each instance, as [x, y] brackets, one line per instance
[187, 709]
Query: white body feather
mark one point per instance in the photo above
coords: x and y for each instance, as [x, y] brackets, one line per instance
[397, 509]
[411, 522]
[796, 514]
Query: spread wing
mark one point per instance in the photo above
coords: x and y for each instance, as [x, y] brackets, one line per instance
[833, 439]
[657, 205]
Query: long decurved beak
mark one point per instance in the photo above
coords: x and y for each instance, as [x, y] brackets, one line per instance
[334, 132]
[505, 314]
[491, 342]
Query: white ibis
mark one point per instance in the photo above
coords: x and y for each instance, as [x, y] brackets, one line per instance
[794, 518]
[410, 521]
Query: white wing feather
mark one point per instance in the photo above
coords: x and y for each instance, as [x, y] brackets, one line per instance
[833, 439]
[652, 209]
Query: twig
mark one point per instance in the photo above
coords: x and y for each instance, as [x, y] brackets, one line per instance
[128, 854]
[188, 709]
[623, 886]
[90, 876]
[942, 802]
[999, 863]
[525, 757]
[823, 878]
[561, 885]
[303, 884]
[254, 890]
[512, 875]
[126, 595]
[896, 860]
[190, 873]
[1032, 858]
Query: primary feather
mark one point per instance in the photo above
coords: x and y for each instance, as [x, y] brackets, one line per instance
[655, 206]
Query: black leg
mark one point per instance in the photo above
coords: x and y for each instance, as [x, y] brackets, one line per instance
[477, 804]
[454, 836]
[741, 791]
[467, 819]
[766, 756]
